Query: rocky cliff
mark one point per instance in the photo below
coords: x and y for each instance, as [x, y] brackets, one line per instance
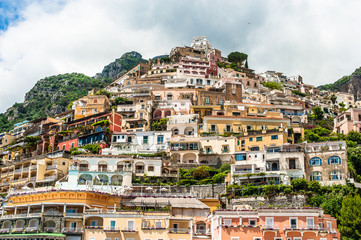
[349, 84]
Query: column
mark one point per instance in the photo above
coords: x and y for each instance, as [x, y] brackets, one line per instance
[64, 208]
[28, 209]
[42, 208]
[16, 208]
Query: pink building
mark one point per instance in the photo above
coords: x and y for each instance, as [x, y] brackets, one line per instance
[273, 224]
[348, 121]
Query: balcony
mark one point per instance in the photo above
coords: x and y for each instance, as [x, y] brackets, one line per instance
[26, 169]
[18, 170]
[72, 230]
[31, 229]
[179, 230]
[302, 228]
[130, 230]
[111, 229]
[93, 227]
[74, 215]
[53, 213]
[32, 179]
[33, 167]
[34, 215]
[51, 167]
[5, 230]
[50, 229]
[270, 228]
[10, 216]
[50, 178]
[20, 215]
[17, 230]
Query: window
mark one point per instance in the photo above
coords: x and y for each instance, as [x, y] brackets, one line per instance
[130, 225]
[252, 222]
[269, 222]
[158, 224]
[228, 128]
[315, 176]
[169, 96]
[140, 115]
[207, 101]
[160, 139]
[151, 169]
[329, 224]
[107, 238]
[251, 139]
[145, 139]
[310, 222]
[243, 143]
[112, 224]
[335, 175]
[334, 160]
[213, 128]
[234, 238]
[257, 238]
[273, 137]
[241, 157]
[72, 145]
[315, 161]
[220, 102]
[258, 139]
[293, 223]
[227, 222]
[94, 223]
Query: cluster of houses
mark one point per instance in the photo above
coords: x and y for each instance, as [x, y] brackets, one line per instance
[71, 176]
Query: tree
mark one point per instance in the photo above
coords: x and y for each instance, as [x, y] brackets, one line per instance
[103, 92]
[237, 58]
[354, 158]
[318, 114]
[333, 99]
[120, 100]
[350, 217]
[299, 184]
[201, 172]
[354, 136]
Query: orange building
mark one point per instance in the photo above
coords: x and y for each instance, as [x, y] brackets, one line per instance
[273, 224]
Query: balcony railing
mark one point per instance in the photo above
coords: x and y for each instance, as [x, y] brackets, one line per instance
[33, 167]
[73, 214]
[72, 230]
[18, 170]
[111, 229]
[18, 229]
[94, 227]
[129, 229]
[50, 229]
[50, 167]
[31, 229]
[270, 228]
[302, 227]
[53, 213]
[5, 230]
[32, 179]
[34, 214]
[179, 230]
[26, 169]
[50, 178]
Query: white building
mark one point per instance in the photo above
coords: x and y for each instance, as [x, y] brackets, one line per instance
[138, 142]
[108, 173]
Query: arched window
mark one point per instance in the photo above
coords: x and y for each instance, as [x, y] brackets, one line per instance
[334, 160]
[316, 176]
[335, 175]
[315, 161]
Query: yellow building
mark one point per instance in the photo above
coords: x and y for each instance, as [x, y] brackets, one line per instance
[89, 105]
[33, 172]
[259, 139]
[241, 124]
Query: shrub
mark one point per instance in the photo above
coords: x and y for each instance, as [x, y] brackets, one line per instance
[287, 190]
[299, 184]
[314, 186]
[201, 172]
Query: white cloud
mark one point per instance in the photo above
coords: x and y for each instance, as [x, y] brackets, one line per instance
[316, 39]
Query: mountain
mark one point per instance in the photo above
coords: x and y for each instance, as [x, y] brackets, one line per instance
[53, 94]
[121, 65]
[349, 84]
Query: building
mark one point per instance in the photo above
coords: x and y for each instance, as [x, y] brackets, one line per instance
[348, 121]
[326, 162]
[90, 105]
[273, 224]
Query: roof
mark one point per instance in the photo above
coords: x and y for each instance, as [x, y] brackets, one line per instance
[174, 202]
[251, 117]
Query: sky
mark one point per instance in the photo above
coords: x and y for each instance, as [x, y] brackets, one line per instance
[319, 40]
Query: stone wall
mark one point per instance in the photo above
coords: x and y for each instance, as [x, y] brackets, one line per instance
[277, 201]
[201, 191]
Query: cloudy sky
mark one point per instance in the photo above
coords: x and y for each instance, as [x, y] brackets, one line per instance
[319, 40]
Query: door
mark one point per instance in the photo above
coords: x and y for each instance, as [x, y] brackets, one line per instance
[130, 225]
[112, 225]
[73, 225]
